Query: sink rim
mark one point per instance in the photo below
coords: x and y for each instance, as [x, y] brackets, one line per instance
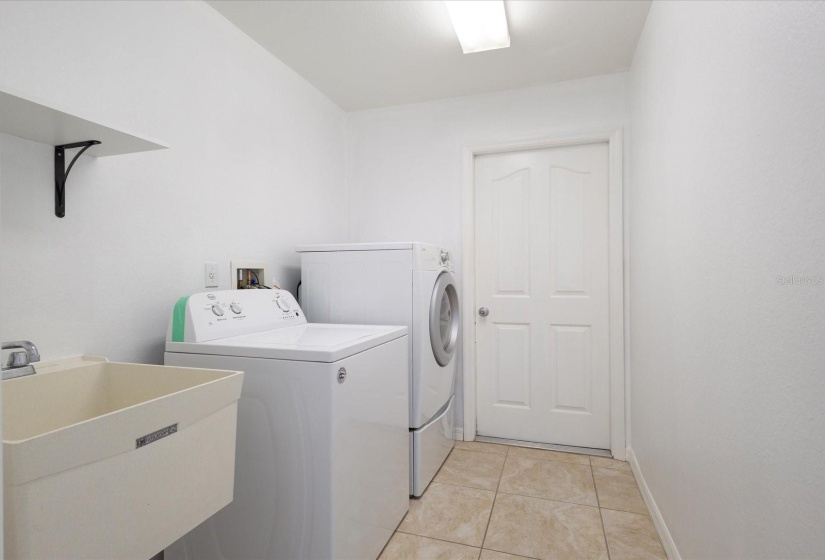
[66, 365]
[116, 432]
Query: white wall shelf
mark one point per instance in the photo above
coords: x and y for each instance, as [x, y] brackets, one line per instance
[33, 119]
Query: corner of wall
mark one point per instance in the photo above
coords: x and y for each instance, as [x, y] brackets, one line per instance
[347, 194]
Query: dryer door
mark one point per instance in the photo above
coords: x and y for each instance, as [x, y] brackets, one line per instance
[444, 319]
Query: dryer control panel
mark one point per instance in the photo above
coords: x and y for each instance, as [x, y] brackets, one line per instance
[224, 313]
[430, 257]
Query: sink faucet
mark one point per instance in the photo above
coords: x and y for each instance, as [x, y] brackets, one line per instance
[19, 363]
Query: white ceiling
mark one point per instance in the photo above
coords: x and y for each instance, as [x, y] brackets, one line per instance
[366, 54]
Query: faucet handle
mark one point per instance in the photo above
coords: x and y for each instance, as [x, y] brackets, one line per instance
[18, 359]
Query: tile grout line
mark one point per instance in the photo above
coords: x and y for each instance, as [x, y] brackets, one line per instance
[601, 517]
[494, 505]
[623, 472]
[453, 483]
[635, 483]
[604, 534]
[464, 449]
[596, 488]
[552, 461]
[398, 529]
[435, 478]
[481, 546]
[499, 491]
[626, 511]
[511, 554]
[556, 501]
[500, 476]
[433, 481]
[437, 539]
[495, 497]
[481, 450]
[621, 469]
[549, 499]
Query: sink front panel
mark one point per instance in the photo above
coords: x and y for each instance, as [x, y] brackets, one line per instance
[131, 505]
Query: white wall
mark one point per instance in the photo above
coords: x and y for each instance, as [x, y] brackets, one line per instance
[404, 163]
[727, 168]
[256, 166]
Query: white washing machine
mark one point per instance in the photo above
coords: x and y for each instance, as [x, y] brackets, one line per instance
[397, 284]
[322, 460]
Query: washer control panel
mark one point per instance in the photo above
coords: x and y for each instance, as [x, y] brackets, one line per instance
[221, 314]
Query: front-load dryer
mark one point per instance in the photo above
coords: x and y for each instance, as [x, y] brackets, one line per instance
[409, 284]
[322, 457]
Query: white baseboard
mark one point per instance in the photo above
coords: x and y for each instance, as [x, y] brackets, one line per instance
[458, 434]
[655, 514]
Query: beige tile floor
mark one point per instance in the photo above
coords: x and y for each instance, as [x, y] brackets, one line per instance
[497, 502]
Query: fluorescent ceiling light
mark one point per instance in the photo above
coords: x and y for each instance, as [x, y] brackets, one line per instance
[481, 25]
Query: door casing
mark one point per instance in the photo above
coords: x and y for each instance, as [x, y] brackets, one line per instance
[616, 208]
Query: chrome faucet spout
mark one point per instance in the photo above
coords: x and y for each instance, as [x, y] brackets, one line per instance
[19, 363]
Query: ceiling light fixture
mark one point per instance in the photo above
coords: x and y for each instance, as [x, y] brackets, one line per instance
[481, 25]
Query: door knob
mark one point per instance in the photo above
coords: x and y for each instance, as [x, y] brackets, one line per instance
[483, 311]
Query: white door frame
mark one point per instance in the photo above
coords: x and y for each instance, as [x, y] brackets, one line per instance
[616, 278]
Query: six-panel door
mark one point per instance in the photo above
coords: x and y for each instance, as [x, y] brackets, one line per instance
[542, 352]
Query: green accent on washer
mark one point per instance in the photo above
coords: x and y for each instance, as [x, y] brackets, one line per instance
[179, 319]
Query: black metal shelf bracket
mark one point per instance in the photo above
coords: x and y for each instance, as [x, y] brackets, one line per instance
[61, 172]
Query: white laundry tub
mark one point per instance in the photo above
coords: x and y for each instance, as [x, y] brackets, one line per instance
[112, 460]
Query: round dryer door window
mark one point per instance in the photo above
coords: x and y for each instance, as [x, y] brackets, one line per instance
[444, 319]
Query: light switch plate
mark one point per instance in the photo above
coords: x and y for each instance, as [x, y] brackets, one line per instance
[210, 275]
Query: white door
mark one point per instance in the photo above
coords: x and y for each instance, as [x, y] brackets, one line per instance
[542, 350]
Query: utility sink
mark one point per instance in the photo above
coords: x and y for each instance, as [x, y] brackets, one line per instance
[112, 460]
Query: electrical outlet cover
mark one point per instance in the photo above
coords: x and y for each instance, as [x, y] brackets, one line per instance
[210, 275]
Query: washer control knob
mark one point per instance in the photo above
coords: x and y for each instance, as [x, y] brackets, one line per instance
[217, 310]
[236, 308]
[283, 303]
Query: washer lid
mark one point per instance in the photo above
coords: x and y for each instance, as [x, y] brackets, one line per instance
[310, 342]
